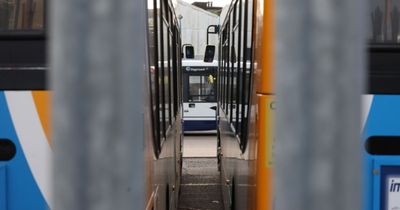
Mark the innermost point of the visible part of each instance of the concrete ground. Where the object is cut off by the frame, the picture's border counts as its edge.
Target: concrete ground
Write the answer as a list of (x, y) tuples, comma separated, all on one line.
[(200, 186), (204, 145)]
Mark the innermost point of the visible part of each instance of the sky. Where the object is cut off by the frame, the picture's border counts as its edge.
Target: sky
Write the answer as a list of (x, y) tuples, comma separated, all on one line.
[(216, 3)]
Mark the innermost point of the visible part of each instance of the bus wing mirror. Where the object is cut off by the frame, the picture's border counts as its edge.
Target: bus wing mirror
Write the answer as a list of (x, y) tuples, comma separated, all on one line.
[(189, 51), (209, 54)]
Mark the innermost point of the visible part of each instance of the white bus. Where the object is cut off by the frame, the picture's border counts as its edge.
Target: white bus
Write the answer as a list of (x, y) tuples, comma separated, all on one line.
[(199, 95)]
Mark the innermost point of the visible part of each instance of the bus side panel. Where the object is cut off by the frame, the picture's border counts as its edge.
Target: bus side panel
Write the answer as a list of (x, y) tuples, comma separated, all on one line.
[(166, 178), (27, 174), (264, 152), (199, 116), (237, 168), (230, 151), (382, 115)]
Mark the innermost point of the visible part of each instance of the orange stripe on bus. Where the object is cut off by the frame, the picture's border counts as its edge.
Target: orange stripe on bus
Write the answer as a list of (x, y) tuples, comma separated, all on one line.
[(268, 49), (42, 102)]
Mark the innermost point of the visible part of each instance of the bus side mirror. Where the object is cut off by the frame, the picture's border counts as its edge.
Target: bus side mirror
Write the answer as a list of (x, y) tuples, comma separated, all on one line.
[(189, 51), (209, 54)]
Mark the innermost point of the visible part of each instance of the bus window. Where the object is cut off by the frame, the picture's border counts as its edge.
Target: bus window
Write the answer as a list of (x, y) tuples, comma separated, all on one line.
[(208, 89), (384, 18), (22, 15), (194, 88), (189, 52)]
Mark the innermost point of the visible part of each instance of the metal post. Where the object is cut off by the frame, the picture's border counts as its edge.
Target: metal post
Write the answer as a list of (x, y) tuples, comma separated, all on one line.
[(320, 73), (98, 60), (208, 32)]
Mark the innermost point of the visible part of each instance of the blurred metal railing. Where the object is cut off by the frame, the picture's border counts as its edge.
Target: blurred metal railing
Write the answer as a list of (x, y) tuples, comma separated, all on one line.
[(320, 78), (98, 59)]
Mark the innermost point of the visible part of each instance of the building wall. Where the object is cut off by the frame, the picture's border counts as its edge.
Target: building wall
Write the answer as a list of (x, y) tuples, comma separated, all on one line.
[(194, 27)]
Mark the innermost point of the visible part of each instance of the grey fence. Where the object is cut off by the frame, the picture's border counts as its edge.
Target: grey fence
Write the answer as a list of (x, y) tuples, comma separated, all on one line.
[(320, 77), (98, 59)]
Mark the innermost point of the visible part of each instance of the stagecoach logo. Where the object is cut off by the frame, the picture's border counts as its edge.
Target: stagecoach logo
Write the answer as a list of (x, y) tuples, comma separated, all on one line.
[(394, 186), (195, 69), (393, 199)]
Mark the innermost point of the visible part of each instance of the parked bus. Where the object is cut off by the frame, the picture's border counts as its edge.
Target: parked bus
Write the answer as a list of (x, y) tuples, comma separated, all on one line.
[(199, 95), (381, 129), (26, 146)]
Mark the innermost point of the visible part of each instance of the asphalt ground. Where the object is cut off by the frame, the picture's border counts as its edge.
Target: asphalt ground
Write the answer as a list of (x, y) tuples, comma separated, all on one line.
[(200, 185)]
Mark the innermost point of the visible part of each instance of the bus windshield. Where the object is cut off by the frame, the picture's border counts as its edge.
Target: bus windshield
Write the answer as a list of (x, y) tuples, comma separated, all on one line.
[(202, 88)]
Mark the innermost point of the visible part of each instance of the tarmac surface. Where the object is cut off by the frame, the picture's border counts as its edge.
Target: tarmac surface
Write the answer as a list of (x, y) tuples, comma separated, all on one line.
[(200, 186)]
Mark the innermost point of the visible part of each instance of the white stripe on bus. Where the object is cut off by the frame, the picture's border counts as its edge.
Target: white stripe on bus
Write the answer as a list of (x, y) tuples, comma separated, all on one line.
[(32, 139)]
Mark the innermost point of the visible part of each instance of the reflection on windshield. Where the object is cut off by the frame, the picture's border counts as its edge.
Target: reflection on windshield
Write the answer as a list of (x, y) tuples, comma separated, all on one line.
[(21, 14), (202, 88), (385, 21)]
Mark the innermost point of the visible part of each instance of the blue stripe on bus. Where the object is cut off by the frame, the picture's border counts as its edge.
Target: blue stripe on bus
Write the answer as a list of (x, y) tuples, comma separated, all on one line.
[(21, 188), (199, 125), (3, 184)]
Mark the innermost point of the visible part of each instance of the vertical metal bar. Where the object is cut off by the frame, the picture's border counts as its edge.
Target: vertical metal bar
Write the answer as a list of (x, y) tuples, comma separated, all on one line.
[(98, 60), (320, 74), (162, 70)]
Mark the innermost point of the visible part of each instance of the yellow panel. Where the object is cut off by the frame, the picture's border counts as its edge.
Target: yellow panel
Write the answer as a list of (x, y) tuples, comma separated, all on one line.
[(42, 102), (265, 161)]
